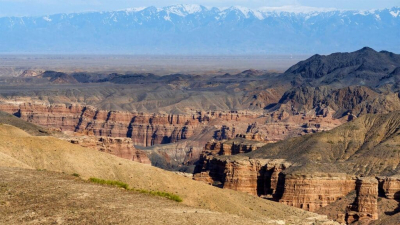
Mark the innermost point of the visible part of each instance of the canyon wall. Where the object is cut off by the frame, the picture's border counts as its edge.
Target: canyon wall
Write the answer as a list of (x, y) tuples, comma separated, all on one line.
[(365, 206), (257, 177), (314, 191), (143, 129), (232, 147), (266, 178), (121, 147), (147, 130), (390, 186)]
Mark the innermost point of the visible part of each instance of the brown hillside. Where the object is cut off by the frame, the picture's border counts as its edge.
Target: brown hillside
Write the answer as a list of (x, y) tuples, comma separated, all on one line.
[(370, 145), (20, 149), (54, 198)]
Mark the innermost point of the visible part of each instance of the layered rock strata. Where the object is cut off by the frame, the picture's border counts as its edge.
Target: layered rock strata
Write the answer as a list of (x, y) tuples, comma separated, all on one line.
[(365, 207), (143, 129), (390, 186), (232, 147), (121, 147), (256, 177), (265, 178), (314, 191)]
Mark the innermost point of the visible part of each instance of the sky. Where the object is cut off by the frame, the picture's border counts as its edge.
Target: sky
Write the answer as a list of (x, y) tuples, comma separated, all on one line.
[(47, 7)]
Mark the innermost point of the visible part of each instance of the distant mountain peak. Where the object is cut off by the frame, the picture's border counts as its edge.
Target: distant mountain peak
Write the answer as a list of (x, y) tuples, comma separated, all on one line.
[(184, 9), (295, 9), (196, 29)]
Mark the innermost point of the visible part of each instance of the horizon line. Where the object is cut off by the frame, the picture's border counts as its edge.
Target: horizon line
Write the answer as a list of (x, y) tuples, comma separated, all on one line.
[(296, 9)]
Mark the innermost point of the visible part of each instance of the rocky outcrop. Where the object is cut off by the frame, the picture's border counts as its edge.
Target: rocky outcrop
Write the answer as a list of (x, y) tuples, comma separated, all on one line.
[(314, 191), (186, 134), (232, 147), (143, 129), (31, 73), (121, 147), (264, 177), (366, 146), (244, 175), (365, 207), (251, 136), (390, 186), (256, 177)]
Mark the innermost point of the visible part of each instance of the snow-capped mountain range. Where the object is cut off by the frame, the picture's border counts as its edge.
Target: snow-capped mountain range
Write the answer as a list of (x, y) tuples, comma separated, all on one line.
[(195, 29)]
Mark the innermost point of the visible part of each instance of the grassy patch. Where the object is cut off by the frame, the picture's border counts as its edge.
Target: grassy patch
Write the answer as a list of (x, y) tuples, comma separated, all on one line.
[(126, 187), (76, 175), (109, 182), (161, 194)]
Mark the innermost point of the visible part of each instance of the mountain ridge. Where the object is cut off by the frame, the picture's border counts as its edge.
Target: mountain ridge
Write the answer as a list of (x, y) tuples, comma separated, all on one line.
[(200, 30)]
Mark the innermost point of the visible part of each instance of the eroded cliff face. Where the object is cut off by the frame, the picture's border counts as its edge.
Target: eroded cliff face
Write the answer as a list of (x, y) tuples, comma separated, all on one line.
[(253, 176), (365, 207), (390, 186), (121, 147), (241, 144), (267, 178), (143, 129), (192, 130), (244, 175), (314, 191)]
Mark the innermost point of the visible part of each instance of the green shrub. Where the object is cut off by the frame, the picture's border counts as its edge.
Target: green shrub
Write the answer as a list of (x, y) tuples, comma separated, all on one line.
[(161, 194), (109, 182), (76, 175), (125, 186)]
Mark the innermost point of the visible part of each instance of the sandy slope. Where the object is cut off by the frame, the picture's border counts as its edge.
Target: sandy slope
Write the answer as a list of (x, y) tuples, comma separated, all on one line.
[(19, 149), (55, 198)]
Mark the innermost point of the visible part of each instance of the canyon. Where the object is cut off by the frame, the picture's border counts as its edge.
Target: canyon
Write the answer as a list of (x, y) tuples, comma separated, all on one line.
[(121, 131), (293, 172), (322, 136)]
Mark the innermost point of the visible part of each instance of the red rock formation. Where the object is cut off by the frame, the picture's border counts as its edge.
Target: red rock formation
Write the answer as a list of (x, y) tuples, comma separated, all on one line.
[(311, 192), (121, 147), (231, 147), (390, 186), (143, 129), (365, 207), (251, 136), (253, 176), (151, 129), (273, 178), (244, 175)]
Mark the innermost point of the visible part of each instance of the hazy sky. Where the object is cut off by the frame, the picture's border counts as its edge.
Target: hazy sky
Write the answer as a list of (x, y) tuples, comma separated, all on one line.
[(43, 7)]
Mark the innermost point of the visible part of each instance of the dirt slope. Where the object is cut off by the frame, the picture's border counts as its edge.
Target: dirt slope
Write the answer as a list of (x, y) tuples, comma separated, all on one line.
[(20, 149), (54, 198), (30, 128)]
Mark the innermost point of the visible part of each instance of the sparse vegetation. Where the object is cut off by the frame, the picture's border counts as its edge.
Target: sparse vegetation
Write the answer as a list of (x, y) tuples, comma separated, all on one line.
[(161, 194), (126, 187), (76, 175), (353, 127), (109, 182)]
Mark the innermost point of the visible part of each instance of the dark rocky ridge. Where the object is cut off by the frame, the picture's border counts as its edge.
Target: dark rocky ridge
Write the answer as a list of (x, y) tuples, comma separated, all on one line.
[(362, 67)]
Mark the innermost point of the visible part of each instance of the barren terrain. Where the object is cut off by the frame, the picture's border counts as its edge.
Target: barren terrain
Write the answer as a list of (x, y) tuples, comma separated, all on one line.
[(21, 150)]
